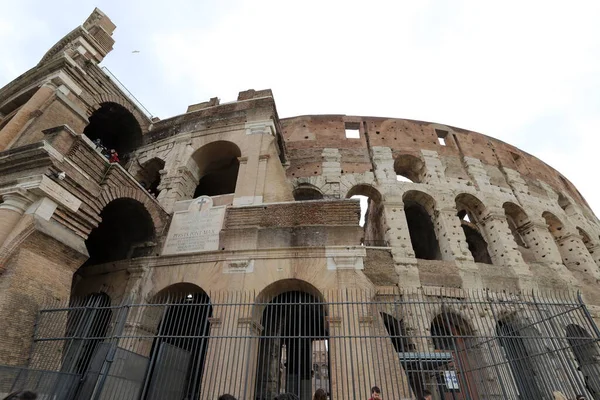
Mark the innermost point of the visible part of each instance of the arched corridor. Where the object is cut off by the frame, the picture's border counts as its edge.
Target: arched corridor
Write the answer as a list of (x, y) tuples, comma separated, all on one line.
[(419, 209), (216, 165)]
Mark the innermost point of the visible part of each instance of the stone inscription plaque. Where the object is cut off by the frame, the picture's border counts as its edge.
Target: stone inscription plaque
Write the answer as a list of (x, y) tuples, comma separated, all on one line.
[(196, 229)]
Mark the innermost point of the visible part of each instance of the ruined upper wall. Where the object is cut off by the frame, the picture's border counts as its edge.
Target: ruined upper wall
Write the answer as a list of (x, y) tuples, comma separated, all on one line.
[(307, 136)]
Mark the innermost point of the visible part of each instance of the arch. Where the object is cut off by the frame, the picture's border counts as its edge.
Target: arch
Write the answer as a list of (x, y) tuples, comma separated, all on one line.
[(587, 241), (520, 225), (124, 224), (586, 352), (521, 355), (294, 325), (216, 166), (305, 191), (471, 211), (87, 322), (410, 167), (116, 128), (555, 226), (180, 322), (419, 208), (563, 201), (451, 333), (372, 217), (149, 175)]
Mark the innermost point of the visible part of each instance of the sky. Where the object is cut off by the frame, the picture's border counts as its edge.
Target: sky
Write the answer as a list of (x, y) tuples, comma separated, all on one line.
[(526, 72)]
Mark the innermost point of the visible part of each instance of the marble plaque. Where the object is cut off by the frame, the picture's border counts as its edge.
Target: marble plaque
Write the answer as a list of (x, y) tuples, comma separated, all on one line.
[(195, 229)]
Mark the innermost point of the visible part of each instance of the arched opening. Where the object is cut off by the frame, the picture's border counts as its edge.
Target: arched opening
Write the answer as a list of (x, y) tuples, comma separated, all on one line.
[(587, 355), (520, 351), (563, 202), (293, 342), (458, 362), (116, 128), (587, 241), (216, 166), (125, 224), (409, 168), (149, 175), (555, 226), (87, 325), (470, 211), (307, 192), (371, 218), (419, 208), (520, 227), (178, 353), (399, 337)]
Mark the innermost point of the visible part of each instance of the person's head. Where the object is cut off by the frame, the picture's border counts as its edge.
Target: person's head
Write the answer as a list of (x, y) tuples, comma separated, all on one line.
[(427, 395), (226, 397), (22, 395), (376, 392), (320, 394), (112, 151), (580, 397)]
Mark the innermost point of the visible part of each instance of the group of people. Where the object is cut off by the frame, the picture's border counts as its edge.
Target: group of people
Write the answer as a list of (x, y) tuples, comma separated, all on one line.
[(111, 154)]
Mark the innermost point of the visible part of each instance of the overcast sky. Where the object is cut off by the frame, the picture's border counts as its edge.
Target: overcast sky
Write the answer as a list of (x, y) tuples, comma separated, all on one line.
[(526, 72)]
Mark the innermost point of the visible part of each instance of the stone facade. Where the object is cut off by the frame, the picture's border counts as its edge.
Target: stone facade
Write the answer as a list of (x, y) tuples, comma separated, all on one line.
[(478, 214)]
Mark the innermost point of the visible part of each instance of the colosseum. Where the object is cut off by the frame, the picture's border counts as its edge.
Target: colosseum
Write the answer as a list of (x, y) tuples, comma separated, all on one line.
[(225, 250)]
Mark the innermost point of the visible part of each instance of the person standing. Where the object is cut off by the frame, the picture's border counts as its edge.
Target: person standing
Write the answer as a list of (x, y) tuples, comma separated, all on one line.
[(114, 156)]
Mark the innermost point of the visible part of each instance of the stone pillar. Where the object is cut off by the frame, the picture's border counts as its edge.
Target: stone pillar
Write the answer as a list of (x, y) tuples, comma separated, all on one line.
[(451, 237), (177, 187), (12, 129), (436, 171), (594, 250), (383, 161), (361, 353), (14, 203), (398, 237), (576, 256), (502, 247)]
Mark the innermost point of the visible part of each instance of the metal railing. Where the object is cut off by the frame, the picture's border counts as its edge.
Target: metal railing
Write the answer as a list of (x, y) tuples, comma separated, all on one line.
[(192, 345), (126, 92)]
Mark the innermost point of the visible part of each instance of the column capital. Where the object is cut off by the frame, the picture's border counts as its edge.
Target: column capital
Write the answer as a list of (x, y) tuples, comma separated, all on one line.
[(16, 199)]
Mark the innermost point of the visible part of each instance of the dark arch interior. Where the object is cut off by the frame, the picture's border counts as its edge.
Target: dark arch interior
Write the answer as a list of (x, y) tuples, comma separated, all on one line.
[(180, 344), (422, 233), (519, 358), (410, 167), (125, 223), (303, 193), (294, 326), (218, 168), (116, 128), (374, 229), (149, 175), (477, 244), (89, 318)]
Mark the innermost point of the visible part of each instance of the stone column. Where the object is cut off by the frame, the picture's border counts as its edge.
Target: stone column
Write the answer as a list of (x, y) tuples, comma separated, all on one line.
[(502, 247), (14, 203), (594, 250), (451, 237), (576, 256), (12, 129), (398, 237)]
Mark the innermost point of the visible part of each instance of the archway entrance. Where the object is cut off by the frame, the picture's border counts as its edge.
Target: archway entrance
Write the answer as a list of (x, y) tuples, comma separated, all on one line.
[(587, 354), (451, 334), (217, 168), (293, 343), (125, 224), (419, 210), (116, 128), (520, 356), (470, 211), (372, 215), (178, 351)]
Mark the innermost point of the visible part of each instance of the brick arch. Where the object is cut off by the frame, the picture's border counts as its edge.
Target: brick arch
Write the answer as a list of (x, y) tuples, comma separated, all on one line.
[(109, 194), (103, 98)]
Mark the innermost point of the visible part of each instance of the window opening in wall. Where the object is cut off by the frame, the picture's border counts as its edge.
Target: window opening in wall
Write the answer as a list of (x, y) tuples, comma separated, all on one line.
[(371, 214), (217, 165), (364, 205), (515, 156), (419, 211), (352, 130), (307, 192), (409, 168), (441, 135)]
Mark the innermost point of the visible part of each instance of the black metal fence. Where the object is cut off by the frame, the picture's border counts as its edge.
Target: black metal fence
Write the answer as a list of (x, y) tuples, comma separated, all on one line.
[(192, 345)]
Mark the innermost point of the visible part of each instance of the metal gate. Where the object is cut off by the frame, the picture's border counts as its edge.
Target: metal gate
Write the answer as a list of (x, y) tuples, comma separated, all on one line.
[(455, 344)]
